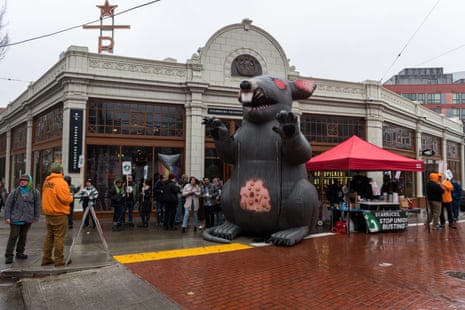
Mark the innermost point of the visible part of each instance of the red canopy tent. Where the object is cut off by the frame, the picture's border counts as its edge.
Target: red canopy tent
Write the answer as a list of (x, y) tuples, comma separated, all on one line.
[(357, 154)]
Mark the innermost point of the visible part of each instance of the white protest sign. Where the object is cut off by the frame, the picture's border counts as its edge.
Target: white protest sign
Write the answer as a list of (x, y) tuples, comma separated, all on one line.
[(146, 171), (126, 167)]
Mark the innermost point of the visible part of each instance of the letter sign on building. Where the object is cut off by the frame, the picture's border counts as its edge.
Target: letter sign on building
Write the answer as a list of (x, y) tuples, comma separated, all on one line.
[(106, 43)]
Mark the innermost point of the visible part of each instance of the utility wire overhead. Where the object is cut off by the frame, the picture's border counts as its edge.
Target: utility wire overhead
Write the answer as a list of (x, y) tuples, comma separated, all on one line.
[(443, 54), (78, 26), (409, 40), (15, 80)]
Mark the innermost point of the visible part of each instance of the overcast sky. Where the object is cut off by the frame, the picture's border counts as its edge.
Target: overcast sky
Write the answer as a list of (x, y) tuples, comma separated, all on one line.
[(349, 40)]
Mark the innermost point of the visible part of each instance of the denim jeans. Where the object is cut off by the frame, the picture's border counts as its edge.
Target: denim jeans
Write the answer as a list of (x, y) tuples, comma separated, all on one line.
[(177, 218), (185, 220), (160, 212)]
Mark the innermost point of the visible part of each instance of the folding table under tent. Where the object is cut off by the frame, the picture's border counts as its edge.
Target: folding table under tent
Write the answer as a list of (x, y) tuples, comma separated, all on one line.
[(356, 154)]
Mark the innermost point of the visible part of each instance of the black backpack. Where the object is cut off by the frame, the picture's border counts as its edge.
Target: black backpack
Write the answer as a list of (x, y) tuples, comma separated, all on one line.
[(158, 190)]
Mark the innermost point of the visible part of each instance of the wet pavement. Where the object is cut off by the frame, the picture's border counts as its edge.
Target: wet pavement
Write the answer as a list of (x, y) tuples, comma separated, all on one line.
[(157, 269)]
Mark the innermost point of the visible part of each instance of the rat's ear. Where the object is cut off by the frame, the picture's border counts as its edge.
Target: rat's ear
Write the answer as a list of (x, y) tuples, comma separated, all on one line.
[(302, 89)]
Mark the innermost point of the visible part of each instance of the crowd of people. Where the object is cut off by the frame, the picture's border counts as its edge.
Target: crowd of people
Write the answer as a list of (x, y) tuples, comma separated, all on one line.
[(444, 194), (174, 200)]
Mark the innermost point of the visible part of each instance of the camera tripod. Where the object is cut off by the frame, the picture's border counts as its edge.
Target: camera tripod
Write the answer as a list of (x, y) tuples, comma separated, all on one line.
[(90, 209)]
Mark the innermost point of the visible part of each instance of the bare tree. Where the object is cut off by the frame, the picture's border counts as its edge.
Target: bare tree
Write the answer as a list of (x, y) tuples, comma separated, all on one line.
[(3, 36)]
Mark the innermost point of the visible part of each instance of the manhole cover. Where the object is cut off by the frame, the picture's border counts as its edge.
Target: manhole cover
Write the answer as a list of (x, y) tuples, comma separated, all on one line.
[(456, 274)]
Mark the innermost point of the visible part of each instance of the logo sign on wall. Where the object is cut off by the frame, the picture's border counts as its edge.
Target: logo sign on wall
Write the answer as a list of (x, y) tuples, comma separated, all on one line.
[(75, 140), (126, 167)]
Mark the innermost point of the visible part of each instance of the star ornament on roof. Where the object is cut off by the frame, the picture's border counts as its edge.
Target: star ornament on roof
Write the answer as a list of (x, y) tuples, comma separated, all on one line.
[(106, 9)]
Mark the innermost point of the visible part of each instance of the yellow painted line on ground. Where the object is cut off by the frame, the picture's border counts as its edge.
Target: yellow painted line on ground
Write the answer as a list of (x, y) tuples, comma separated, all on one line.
[(150, 256)]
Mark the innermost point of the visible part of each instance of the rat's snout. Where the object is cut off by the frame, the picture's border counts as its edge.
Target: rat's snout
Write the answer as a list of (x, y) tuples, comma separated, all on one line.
[(246, 85), (246, 93)]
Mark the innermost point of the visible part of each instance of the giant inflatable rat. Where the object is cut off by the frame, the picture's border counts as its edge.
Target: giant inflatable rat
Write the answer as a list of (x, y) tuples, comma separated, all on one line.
[(268, 194)]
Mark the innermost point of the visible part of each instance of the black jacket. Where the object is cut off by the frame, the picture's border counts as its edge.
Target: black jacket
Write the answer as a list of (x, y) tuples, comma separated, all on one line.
[(170, 193)]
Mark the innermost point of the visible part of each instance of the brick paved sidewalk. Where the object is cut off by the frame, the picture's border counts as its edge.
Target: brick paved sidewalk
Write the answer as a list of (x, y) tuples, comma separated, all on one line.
[(402, 270)]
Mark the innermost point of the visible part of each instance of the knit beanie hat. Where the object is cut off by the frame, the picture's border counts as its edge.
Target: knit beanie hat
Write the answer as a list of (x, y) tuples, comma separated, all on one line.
[(56, 168)]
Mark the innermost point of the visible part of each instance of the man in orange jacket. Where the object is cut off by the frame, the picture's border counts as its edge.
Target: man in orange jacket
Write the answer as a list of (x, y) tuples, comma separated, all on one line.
[(447, 201), (56, 198)]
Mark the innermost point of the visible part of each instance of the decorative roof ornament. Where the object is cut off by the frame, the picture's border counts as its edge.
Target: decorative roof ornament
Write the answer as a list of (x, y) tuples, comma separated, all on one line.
[(106, 42)]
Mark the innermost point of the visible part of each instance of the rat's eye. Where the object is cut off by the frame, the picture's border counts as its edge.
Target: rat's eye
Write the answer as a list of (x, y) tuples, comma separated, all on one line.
[(280, 84)]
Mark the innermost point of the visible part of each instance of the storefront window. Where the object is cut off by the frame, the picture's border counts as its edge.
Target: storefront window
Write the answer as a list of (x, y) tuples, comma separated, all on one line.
[(49, 125), (397, 137), (42, 161), (331, 129), (213, 164), (104, 165), (19, 167), (453, 158), (135, 119)]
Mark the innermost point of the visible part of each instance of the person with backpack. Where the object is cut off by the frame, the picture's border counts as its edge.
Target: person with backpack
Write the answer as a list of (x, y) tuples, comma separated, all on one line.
[(22, 208), (170, 199), (456, 198)]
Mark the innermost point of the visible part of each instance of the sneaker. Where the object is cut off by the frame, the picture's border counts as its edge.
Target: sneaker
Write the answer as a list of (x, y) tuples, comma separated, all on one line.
[(21, 256), (9, 260), (439, 227), (115, 228)]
